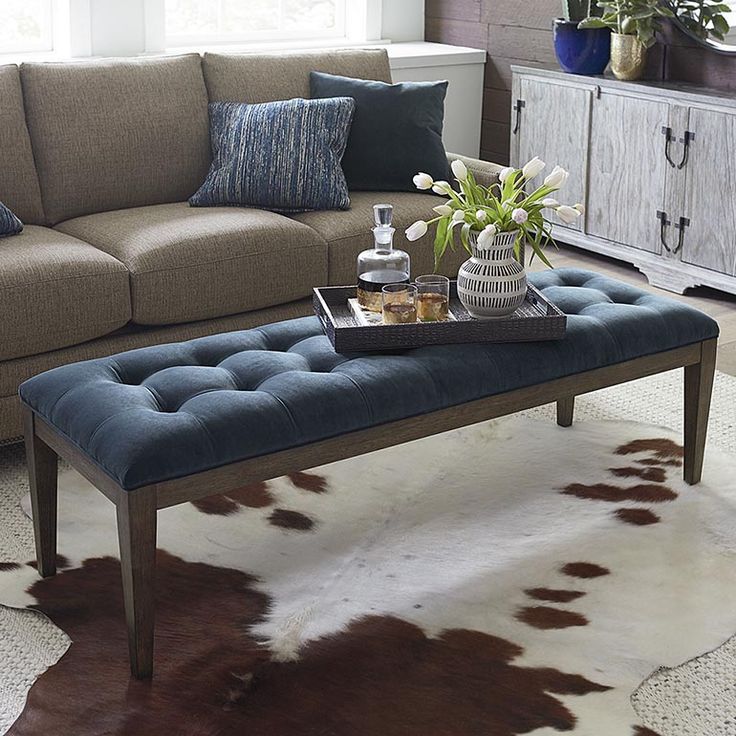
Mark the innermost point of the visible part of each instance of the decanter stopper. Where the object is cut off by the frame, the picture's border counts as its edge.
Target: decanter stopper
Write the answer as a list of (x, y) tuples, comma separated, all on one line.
[(383, 214)]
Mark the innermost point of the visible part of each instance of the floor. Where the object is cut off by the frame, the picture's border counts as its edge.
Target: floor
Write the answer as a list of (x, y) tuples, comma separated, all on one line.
[(720, 306)]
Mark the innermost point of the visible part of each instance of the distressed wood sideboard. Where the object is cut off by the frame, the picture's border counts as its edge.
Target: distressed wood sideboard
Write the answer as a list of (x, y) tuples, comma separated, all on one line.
[(654, 163)]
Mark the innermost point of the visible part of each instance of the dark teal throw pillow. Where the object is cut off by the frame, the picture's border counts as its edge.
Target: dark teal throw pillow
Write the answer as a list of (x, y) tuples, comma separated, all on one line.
[(396, 132), (9, 223), (281, 156)]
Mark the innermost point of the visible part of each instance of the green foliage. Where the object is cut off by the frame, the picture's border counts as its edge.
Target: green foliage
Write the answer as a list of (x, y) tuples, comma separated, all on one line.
[(577, 10), (703, 18), (640, 18)]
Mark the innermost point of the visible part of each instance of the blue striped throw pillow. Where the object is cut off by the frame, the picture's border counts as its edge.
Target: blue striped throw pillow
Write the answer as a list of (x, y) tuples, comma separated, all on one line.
[(9, 223), (281, 156)]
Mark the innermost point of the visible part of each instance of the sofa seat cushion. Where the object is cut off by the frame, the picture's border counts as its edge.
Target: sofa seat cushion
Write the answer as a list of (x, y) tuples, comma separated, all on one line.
[(190, 263), (169, 411), (348, 233), (57, 291)]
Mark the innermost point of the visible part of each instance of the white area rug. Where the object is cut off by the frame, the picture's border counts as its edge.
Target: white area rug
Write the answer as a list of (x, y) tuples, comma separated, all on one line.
[(449, 533), (697, 698)]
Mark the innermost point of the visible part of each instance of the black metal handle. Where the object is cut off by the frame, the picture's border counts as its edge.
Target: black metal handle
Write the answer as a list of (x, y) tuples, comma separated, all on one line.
[(663, 223), (668, 138), (689, 137), (518, 107), (684, 223)]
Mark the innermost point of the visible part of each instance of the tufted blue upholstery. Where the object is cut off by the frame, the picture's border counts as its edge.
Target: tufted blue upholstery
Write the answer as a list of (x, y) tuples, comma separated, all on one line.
[(172, 410)]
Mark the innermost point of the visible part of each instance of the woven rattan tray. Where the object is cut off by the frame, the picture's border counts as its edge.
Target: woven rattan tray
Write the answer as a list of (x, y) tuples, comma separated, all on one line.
[(536, 319)]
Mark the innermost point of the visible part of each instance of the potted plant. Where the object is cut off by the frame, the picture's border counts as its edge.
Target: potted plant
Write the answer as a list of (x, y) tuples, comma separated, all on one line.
[(494, 222), (581, 50), (634, 24)]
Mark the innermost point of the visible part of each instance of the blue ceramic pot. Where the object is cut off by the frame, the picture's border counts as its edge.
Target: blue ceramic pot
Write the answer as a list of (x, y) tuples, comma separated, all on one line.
[(581, 50)]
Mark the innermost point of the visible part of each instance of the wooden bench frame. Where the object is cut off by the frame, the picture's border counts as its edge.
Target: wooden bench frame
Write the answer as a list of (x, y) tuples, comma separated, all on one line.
[(136, 510)]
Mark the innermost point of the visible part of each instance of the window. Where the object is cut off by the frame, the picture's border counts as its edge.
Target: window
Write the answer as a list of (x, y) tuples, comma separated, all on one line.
[(25, 25), (190, 22)]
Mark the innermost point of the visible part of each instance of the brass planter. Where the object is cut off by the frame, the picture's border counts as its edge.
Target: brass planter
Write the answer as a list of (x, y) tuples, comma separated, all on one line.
[(628, 56)]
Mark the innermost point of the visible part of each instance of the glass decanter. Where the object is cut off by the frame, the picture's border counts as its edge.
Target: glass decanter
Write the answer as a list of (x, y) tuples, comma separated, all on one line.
[(382, 264)]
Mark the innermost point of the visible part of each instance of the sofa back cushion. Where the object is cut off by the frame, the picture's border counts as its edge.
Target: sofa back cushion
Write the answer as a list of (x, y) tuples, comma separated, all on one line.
[(267, 77), (18, 179), (113, 134)]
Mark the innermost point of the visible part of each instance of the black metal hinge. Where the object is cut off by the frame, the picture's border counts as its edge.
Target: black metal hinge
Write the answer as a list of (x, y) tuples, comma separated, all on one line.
[(519, 105), (684, 223), (664, 223)]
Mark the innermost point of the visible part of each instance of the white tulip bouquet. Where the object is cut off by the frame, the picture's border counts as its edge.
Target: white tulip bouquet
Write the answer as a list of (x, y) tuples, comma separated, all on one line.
[(500, 208)]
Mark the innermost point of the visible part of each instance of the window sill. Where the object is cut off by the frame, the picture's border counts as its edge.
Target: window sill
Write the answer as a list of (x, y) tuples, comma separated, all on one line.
[(20, 57), (275, 46), (405, 55)]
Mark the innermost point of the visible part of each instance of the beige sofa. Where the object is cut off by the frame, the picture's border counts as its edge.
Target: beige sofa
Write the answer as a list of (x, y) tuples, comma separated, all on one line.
[(98, 159)]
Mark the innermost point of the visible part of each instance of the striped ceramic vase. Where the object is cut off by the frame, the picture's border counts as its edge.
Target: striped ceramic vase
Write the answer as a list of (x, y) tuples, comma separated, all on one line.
[(492, 283)]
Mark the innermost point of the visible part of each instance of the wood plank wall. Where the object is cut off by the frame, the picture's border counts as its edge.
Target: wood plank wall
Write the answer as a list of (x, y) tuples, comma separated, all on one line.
[(516, 32), (687, 61)]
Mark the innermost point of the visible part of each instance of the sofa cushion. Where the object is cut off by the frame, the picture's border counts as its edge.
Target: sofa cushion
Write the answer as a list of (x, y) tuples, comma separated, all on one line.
[(396, 131), (267, 77), (115, 134), (348, 233), (249, 166), (56, 291), (191, 263), (9, 223), (19, 188)]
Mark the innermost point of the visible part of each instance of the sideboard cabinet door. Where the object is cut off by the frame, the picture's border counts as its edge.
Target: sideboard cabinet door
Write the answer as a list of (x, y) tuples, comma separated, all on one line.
[(710, 239), (553, 124), (628, 170)]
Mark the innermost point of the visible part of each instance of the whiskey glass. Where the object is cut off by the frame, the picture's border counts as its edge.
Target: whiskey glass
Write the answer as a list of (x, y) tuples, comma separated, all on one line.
[(433, 298), (399, 304)]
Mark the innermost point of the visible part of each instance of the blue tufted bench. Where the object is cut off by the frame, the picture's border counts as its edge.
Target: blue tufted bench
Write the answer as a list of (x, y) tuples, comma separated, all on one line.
[(163, 425)]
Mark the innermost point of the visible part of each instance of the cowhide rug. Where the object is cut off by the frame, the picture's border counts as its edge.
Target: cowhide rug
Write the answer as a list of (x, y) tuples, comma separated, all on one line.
[(504, 579)]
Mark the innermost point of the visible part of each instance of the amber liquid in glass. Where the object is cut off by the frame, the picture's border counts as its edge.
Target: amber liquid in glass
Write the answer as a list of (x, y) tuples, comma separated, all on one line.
[(371, 283), (432, 307), (399, 314)]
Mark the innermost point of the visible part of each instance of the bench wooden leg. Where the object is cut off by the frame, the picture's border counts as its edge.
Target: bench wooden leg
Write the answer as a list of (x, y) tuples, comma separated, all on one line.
[(565, 411), (42, 464), (698, 390), (136, 511)]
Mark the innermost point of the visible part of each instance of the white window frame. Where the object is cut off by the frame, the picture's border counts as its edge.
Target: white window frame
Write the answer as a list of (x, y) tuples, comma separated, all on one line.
[(46, 43), (344, 30), (73, 36), (364, 20)]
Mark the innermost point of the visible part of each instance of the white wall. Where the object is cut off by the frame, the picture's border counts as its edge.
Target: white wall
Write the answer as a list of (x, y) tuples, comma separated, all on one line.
[(117, 28)]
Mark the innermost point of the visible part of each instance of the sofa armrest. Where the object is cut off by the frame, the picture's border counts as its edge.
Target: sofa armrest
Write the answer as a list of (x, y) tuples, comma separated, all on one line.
[(485, 172)]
